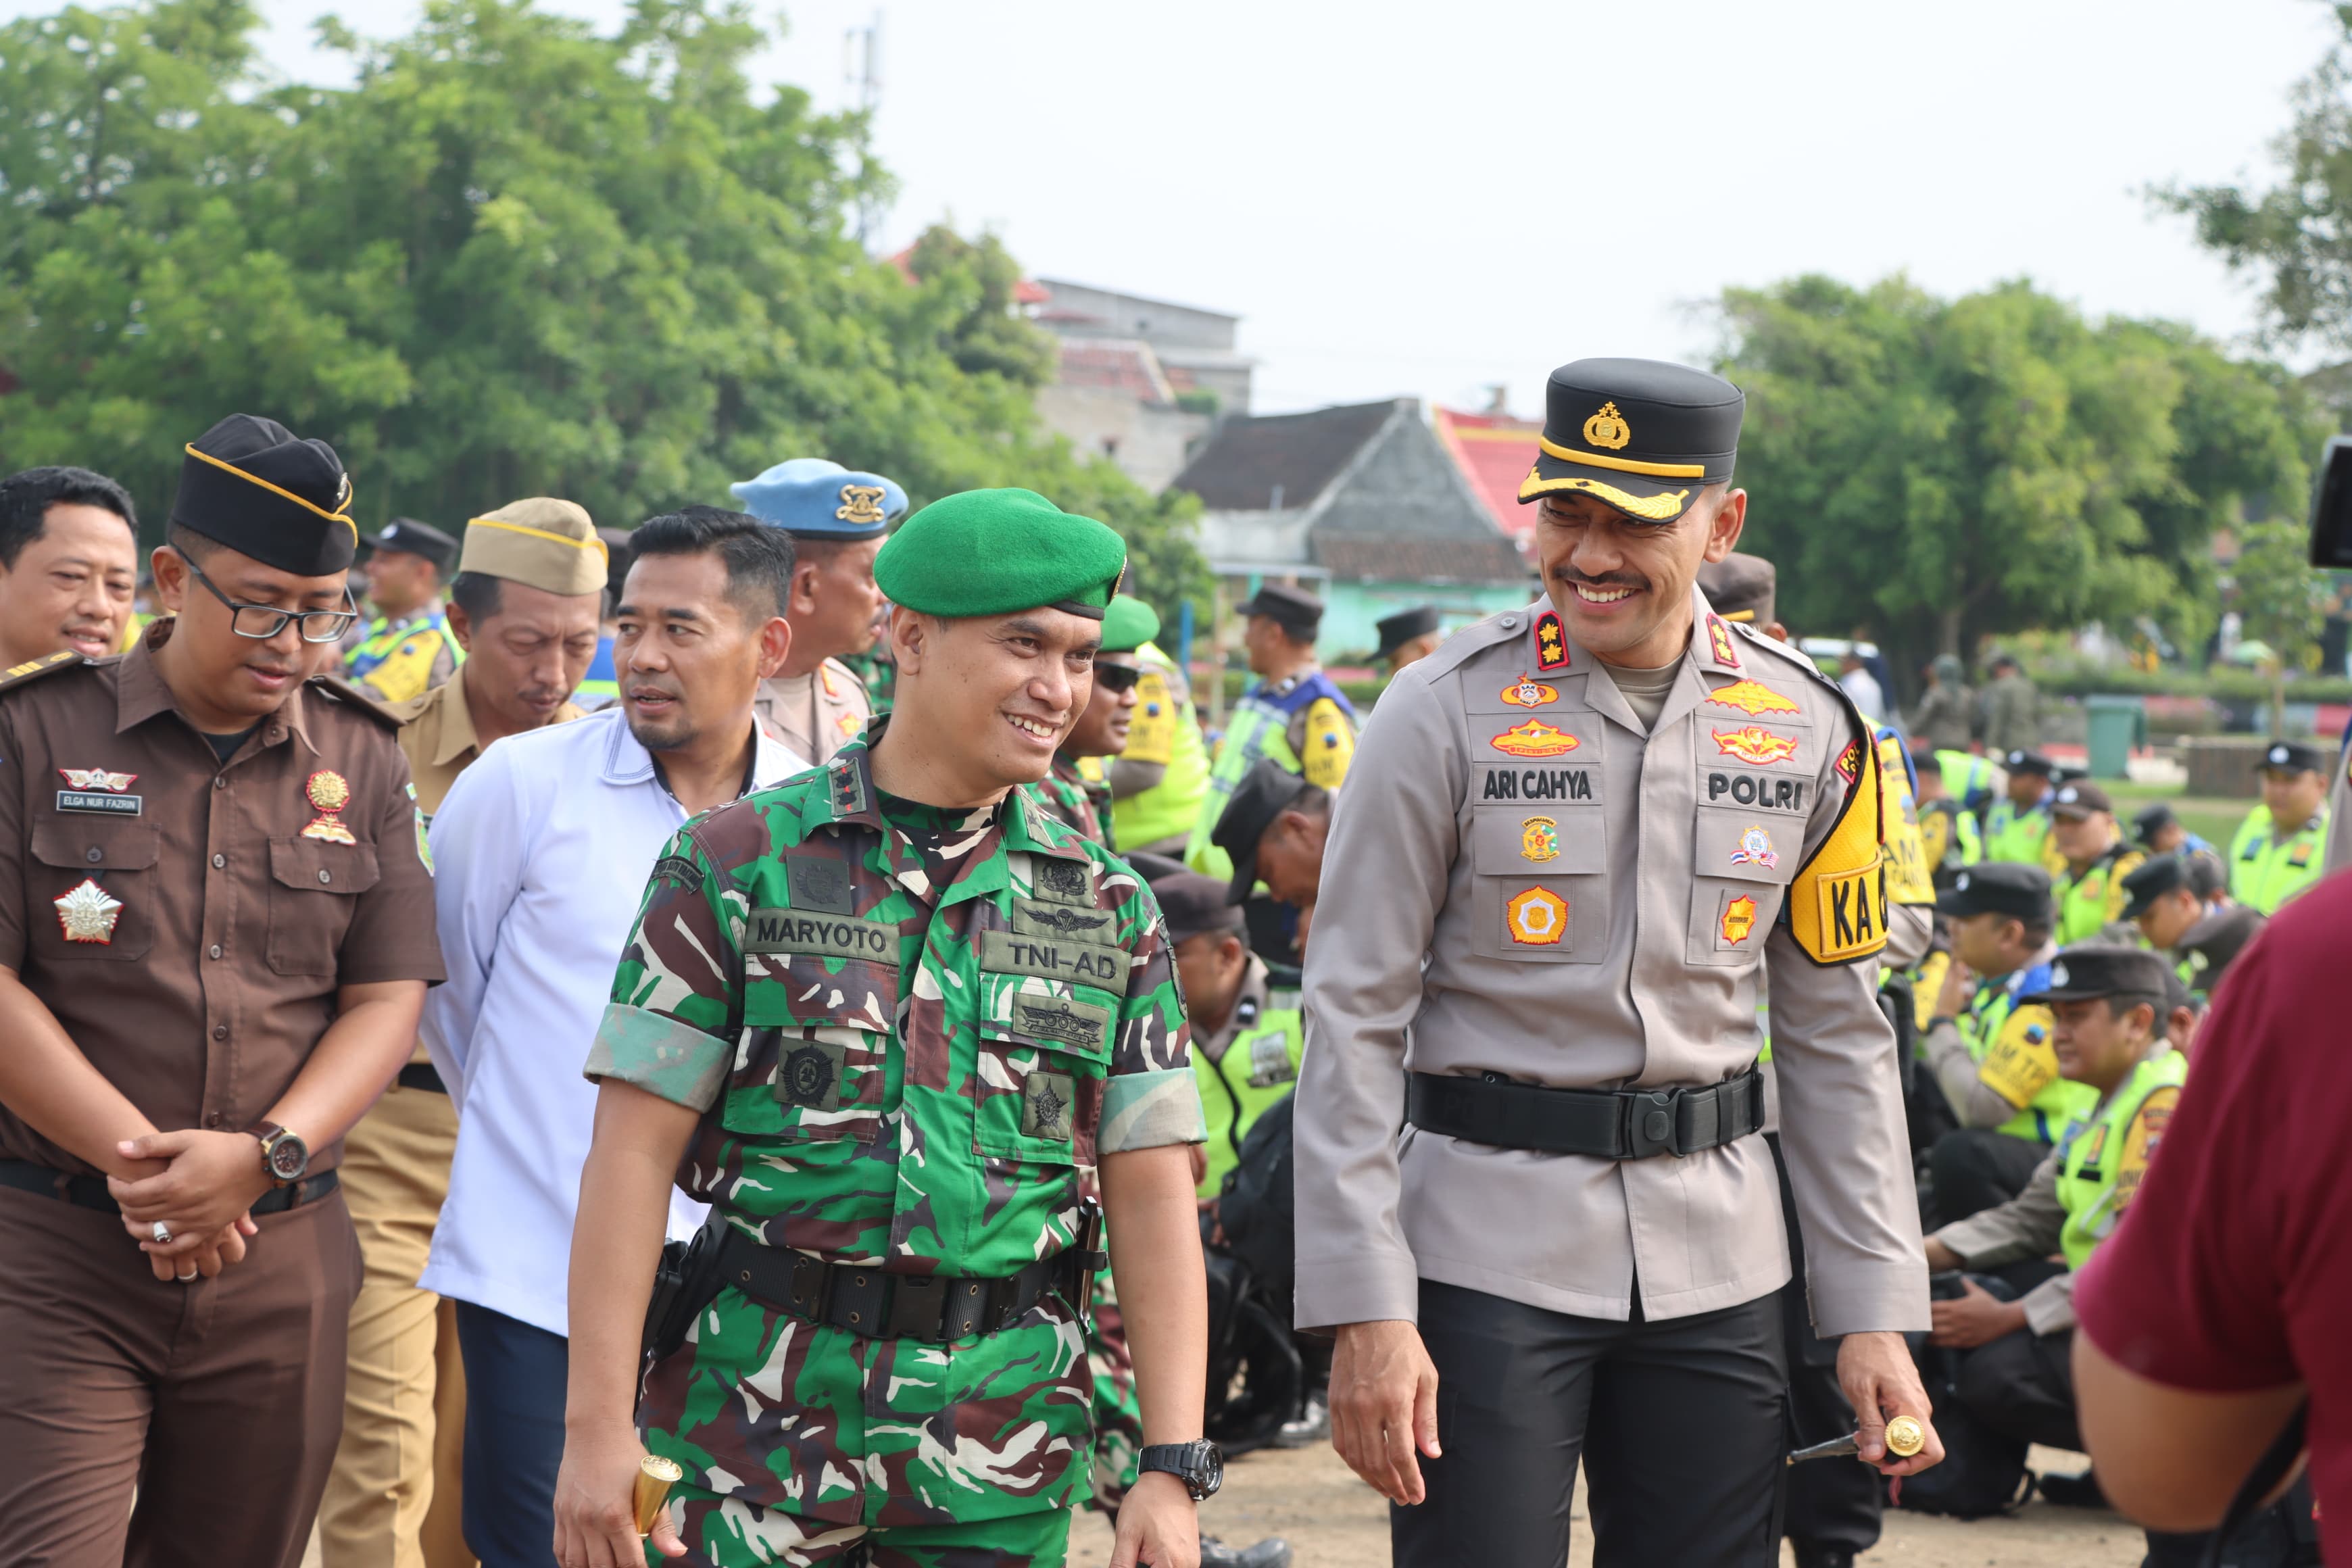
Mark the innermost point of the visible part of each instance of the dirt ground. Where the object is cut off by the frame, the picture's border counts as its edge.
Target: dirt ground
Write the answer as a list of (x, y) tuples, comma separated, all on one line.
[(1334, 1520)]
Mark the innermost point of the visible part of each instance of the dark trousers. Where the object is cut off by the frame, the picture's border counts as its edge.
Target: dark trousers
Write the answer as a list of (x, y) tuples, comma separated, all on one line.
[(515, 1376), (1830, 1502), (1975, 1169), (2021, 1385), (1680, 1425), (218, 1400)]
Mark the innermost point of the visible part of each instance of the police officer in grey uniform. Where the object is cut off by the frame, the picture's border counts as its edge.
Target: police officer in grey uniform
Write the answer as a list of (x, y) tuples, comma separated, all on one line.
[(1573, 842)]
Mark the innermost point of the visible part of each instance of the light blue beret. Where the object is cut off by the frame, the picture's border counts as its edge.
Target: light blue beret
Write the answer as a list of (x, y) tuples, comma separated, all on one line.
[(816, 498)]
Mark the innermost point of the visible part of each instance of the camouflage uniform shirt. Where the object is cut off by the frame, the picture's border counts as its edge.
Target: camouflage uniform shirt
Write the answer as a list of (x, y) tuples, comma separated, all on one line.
[(1074, 799), (906, 1030)]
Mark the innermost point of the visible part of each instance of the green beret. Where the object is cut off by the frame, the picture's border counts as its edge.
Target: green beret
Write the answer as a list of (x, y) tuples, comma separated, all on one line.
[(991, 552), (1129, 624)]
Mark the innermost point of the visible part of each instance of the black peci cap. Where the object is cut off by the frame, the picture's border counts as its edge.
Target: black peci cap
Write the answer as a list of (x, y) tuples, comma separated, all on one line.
[(410, 537), (2029, 763), (254, 486), (2100, 969), (1741, 588), (2161, 874), (2152, 821), (1998, 887), (1404, 627), (1295, 610), (1193, 904), (1257, 801), (2212, 943), (1644, 436), (2292, 756), (2080, 800)]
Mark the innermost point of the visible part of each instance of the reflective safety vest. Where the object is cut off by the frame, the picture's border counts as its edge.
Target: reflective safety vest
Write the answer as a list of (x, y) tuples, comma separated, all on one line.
[(1258, 1069), (2088, 903), (1164, 729), (2266, 871), (600, 687), (2016, 1060), (1910, 874), (401, 660), (2014, 834), (1260, 727), (2100, 1169), (1948, 837), (1967, 779)]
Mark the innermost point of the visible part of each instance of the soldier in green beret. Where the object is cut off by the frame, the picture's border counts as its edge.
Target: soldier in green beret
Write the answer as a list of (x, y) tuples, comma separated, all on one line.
[(881, 1017), (1077, 791)]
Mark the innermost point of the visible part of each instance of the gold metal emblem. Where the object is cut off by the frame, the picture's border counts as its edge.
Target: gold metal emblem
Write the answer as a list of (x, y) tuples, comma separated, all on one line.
[(861, 503), (98, 779), (1534, 739), (1539, 918), (1539, 838), (1608, 428), (87, 913), (329, 793), (656, 1475), (1904, 1437)]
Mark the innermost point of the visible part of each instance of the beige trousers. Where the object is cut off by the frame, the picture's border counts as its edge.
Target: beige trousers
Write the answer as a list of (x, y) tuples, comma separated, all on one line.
[(393, 1498)]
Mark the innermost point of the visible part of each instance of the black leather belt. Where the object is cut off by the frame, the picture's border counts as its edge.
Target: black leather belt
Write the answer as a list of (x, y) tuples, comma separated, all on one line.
[(935, 1308), (1608, 1124), (424, 1076), (89, 1192)]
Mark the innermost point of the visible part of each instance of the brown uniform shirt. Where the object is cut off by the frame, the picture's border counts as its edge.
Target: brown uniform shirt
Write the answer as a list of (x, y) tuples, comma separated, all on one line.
[(236, 925), (437, 736)]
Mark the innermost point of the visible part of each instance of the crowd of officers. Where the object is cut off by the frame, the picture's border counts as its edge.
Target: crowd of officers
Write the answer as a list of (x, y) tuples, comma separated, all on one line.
[(221, 930)]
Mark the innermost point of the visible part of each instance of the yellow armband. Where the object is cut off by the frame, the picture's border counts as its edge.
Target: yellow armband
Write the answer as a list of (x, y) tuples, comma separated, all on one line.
[(1330, 744), (1151, 733), (2022, 1062), (1837, 904)]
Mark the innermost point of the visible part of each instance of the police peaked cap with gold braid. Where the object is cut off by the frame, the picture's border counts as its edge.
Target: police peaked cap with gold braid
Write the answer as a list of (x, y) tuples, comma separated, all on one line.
[(253, 485), (1641, 434)]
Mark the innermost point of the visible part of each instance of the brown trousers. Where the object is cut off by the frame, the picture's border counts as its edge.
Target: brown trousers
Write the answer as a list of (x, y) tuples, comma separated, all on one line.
[(215, 1403)]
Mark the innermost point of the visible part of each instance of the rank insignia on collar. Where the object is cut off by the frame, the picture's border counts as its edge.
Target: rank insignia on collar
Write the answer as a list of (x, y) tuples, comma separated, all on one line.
[(1751, 698), (1739, 918), (1534, 739), (1718, 641), (1529, 692), (87, 913), (1551, 643), (1539, 838), (329, 793), (1754, 744)]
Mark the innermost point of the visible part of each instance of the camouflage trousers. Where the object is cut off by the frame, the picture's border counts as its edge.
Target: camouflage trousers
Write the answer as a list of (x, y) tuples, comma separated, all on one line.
[(1119, 1417), (722, 1533)]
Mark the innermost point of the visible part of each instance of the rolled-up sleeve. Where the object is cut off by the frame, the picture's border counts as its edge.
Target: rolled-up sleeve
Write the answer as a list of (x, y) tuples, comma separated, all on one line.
[(1151, 1099), (676, 1002)]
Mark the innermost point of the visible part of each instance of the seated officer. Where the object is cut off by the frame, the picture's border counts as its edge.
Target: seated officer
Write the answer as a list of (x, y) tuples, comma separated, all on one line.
[(2209, 945), (2278, 851), (2160, 832), (2110, 1007), (2016, 824), (1274, 827), (2089, 890), (1407, 636), (1989, 1048), (2170, 893), (1949, 834)]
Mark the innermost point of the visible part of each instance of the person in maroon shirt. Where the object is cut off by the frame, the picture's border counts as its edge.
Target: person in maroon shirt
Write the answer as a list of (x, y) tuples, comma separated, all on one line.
[(2228, 1298)]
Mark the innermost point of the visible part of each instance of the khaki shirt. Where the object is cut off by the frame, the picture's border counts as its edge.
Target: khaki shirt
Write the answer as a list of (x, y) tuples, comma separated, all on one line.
[(2028, 1226), (247, 891), (1519, 879), (437, 733), (815, 714)]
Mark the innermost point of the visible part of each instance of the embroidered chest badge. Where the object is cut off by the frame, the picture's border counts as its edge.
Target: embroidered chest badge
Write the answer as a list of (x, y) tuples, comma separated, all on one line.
[(1551, 643), (1534, 739), (1529, 692), (1754, 744), (87, 913), (1539, 918), (1539, 840), (1849, 763), (329, 794), (1752, 697), (1756, 849), (1739, 918)]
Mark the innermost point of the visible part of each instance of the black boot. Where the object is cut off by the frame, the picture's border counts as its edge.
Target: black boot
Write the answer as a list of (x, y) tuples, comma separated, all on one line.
[(1815, 1554), (1274, 1552)]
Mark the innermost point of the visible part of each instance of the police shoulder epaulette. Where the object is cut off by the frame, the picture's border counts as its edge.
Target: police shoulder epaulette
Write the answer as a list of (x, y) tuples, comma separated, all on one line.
[(32, 670), (338, 689), (1471, 640)]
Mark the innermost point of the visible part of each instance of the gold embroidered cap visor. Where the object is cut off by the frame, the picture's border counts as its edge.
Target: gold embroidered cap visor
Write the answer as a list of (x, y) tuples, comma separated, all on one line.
[(542, 543), (1642, 435), (253, 485)]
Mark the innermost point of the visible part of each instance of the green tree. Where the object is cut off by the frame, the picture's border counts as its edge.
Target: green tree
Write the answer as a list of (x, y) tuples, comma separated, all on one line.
[(2282, 600), (517, 257), (1932, 472)]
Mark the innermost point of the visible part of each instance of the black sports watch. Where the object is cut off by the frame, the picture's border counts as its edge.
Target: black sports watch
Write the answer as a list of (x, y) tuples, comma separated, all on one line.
[(283, 1155), (1200, 1466)]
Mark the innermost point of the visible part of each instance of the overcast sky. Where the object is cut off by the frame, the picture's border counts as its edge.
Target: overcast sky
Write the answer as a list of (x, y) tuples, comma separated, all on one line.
[(1432, 199)]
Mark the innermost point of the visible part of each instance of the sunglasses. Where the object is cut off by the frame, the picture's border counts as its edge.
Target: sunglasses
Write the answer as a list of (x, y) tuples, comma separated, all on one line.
[(1117, 676)]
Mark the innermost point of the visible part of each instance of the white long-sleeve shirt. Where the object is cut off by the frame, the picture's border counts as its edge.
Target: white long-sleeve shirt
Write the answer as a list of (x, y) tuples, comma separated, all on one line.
[(541, 852)]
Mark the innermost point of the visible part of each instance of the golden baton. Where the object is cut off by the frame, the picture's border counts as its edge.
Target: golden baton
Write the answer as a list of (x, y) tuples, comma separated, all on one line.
[(656, 1475), (1905, 1437)]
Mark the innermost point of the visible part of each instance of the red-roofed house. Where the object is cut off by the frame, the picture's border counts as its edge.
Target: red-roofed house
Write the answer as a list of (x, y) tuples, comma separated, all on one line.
[(1493, 452)]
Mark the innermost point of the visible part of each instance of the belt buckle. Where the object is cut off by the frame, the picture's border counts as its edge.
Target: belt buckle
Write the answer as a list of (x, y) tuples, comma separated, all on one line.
[(916, 1300), (1651, 1123)]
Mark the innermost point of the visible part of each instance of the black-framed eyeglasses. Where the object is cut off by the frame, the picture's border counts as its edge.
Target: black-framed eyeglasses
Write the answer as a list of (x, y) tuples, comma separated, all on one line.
[(262, 622), (1117, 676)]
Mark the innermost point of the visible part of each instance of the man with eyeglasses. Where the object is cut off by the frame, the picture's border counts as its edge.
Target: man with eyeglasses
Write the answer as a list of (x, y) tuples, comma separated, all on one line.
[(216, 936)]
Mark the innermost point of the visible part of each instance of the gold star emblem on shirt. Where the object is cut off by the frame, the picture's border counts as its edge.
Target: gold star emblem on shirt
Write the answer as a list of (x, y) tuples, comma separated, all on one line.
[(87, 913)]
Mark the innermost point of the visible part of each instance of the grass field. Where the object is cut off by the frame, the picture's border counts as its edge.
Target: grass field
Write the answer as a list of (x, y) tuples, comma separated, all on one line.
[(2214, 820)]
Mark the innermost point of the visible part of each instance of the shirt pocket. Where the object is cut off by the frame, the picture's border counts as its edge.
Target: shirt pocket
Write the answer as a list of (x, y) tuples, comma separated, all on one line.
[(1742, 863), (314, 891), (815, 1063), (116, 861), (1042, 1053), (1540, 893)]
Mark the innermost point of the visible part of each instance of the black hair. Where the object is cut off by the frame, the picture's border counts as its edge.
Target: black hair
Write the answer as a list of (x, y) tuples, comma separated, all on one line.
[(197, 547), (1312, 800), (758, 557), (26, 499), (476, 593), (2037, 930), (2121, 1002)]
